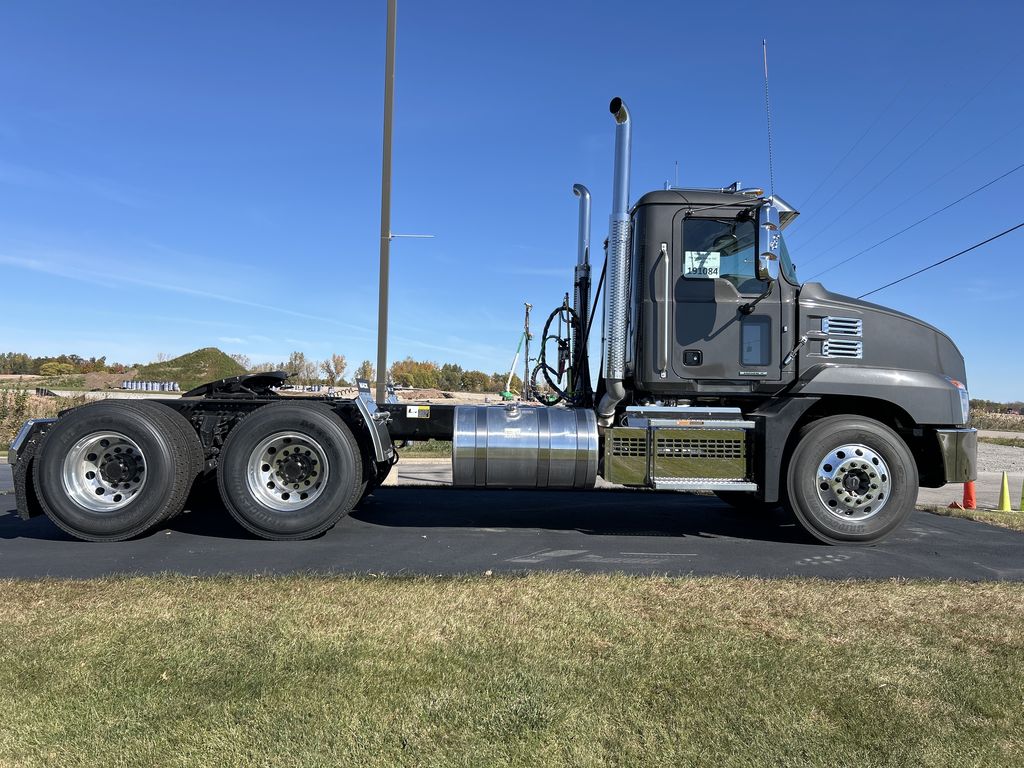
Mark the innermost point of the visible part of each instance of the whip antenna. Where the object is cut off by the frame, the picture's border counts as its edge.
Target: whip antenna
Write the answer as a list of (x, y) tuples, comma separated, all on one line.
[(768, 115)]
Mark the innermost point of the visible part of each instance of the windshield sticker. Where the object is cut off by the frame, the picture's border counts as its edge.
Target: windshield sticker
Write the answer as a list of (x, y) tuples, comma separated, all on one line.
[(705, 264)]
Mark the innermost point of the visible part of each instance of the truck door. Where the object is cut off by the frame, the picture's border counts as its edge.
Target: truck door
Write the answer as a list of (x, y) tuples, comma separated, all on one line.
[(714, 269)]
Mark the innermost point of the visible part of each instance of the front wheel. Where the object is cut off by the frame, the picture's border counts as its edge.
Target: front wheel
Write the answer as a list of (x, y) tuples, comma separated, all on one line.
[(851, 480)]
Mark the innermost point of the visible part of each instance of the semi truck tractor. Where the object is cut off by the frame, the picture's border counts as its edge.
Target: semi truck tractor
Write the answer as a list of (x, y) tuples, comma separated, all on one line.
[(719, 372)]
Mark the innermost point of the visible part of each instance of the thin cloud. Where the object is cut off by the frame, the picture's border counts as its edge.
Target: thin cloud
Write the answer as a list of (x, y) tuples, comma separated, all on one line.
[(71, 273), (97, 186)]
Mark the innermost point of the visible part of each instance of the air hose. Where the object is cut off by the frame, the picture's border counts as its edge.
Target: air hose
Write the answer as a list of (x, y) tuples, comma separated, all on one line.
[(562, 376)]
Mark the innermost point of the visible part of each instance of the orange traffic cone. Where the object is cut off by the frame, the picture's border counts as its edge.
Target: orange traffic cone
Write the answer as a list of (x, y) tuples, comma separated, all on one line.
[(970, 502)]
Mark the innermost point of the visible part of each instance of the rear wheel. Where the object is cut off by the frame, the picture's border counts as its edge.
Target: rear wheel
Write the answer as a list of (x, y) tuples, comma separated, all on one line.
[(110, 470), (851, 480), (290, 471), (191, 455)]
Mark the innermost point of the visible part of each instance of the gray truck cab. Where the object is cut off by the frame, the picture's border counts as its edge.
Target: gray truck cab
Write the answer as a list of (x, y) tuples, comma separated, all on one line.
[(739, 379), (706, 323)]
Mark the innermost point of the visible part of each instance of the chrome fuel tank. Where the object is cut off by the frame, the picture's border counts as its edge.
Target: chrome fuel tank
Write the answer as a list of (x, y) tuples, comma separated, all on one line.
[(524, 446)]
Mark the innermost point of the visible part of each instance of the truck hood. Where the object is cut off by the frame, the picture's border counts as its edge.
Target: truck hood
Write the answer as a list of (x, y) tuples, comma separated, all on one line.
[(892, 338)]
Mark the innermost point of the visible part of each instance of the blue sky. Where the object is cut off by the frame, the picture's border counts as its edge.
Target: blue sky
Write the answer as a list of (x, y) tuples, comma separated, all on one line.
[(177, 175)]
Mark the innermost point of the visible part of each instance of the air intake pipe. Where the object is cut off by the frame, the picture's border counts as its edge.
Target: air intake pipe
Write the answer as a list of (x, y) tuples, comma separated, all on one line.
[(616, 308)]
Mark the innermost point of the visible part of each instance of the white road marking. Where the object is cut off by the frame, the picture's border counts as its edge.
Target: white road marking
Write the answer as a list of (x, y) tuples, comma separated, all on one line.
[(823, 560), (662, 554), (618, 560), (546, 554)]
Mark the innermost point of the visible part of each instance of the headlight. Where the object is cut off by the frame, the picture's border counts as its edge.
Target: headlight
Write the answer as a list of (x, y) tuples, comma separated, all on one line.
[(965, 400)]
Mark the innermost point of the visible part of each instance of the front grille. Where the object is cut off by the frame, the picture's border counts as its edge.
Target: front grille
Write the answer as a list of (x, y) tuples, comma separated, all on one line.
[(847, 348)]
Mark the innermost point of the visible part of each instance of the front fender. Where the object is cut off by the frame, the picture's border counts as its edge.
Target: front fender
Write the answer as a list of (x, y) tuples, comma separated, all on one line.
[(927, 397)]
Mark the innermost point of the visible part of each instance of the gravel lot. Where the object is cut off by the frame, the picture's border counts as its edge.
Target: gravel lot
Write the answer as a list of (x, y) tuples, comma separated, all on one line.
[(1000, 458)]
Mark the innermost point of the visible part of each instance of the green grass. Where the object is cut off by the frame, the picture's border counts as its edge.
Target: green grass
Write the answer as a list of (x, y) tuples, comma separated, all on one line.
[(429, 449), (1011, 520), (1013, 442), (546, 670), (192, 369)]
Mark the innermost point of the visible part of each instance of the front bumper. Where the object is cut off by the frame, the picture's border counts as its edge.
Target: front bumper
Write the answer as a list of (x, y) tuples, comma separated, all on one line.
[(959, 450)]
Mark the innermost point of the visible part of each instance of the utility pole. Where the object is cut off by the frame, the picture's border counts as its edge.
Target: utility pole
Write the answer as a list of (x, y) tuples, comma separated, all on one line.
[(385, 206)]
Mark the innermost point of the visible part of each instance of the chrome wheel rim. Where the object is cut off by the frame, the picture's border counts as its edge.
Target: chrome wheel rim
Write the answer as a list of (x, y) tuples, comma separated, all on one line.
[(853, 482), (287, 471), (104, 472)]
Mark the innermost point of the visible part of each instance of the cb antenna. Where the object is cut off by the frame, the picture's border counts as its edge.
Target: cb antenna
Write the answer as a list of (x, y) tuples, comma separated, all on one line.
[(768, 116)]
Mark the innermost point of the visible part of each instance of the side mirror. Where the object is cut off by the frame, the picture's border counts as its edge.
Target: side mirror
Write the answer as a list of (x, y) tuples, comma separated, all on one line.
[(771, 243)]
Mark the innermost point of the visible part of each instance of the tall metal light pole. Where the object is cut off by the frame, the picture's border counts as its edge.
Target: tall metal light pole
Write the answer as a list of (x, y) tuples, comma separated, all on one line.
[(385, 205)]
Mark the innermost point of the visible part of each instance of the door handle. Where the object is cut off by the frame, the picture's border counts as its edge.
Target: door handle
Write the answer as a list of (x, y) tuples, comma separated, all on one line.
[(666, 285)]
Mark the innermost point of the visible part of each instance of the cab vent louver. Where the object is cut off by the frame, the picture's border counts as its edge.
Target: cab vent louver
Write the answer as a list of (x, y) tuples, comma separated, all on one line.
[(842, 348), (843, 326)]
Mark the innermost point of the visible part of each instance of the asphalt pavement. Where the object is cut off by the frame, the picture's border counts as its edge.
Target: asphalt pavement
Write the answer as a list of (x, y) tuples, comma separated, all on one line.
[(441, 530)]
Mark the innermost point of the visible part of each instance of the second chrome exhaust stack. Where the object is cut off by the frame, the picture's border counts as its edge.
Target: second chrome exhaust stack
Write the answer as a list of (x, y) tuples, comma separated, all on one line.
[(616, 307)]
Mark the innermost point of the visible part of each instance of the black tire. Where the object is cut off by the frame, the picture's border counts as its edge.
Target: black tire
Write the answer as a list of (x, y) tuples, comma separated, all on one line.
[(167, 477), (746, 501), (191, 455), (887, 497), (331, 500)]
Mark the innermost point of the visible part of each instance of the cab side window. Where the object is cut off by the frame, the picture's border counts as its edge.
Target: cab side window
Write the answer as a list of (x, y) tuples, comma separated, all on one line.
[(721, 249)]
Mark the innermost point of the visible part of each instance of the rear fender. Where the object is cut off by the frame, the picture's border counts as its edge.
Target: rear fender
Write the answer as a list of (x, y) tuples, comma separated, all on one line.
[(22, 455)]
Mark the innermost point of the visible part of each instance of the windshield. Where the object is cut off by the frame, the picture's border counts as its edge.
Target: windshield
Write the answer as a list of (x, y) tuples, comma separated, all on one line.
[(788, 267)]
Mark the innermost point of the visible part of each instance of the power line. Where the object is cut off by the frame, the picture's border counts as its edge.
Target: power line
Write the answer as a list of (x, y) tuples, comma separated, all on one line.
[(913, 152), (876, 121), (885, 178), (916, 223), (916, 194), (943, 261), (874, 157)]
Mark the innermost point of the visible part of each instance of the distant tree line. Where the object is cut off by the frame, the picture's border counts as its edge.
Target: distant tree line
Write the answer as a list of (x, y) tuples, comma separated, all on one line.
[(425, 374), (19, 363), (991, 406), (419, 374)]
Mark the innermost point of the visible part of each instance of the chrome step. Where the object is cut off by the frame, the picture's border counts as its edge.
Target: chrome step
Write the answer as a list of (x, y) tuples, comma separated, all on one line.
[(701, 484)]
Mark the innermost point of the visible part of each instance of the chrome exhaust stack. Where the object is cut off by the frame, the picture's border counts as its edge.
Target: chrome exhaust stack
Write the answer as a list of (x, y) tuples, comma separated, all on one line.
[(616, 308)]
